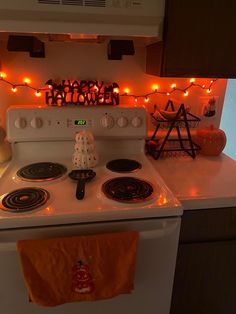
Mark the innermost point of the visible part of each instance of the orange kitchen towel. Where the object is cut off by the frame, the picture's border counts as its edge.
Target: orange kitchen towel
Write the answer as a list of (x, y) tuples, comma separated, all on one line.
[(79, 268)]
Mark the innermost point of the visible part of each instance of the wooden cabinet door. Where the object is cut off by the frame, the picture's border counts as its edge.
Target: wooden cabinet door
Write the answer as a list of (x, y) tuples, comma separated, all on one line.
[(198, 41), (205, 279)]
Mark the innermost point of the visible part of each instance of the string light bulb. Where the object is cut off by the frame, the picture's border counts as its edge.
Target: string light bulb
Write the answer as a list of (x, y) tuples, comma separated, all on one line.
[(3, 75), (186, 93), (168, 94), (126, 90), (155, 87), (38, 93), (116, 90), (14, 89), (192, 80), (27, 80), (173, 85), (146, 99), (208, 91), (136, 99)]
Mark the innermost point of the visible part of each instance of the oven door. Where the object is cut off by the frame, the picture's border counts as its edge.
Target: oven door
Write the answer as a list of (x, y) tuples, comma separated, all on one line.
[(155, 267)]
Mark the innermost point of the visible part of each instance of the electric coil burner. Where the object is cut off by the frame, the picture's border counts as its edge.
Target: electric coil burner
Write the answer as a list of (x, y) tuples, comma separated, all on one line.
[(41, 171), (123, 165), (128, 190), (25, 199)]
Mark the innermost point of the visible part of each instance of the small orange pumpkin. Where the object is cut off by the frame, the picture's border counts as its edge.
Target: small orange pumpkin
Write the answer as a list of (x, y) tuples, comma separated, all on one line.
[(212, 141)]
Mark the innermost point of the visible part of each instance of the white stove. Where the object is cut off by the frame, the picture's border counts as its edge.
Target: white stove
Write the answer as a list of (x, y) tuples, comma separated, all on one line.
[(47, 134)]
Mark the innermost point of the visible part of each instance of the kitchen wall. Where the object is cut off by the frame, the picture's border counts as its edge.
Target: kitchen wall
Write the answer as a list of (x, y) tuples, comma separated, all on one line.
[(229, 118), (89, 61)]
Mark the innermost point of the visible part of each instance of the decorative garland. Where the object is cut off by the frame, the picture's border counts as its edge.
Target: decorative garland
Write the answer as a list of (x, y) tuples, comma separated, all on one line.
[(26, 83), (94, 92), (171, 91)]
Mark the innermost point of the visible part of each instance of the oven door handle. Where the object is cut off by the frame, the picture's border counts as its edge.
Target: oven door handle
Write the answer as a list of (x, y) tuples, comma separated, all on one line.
[(163, 230)]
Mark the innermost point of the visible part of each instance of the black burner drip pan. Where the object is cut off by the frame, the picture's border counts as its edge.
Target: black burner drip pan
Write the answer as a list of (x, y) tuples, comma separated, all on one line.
[(128, 190), (123, 165), (25, 199), (41, 171)]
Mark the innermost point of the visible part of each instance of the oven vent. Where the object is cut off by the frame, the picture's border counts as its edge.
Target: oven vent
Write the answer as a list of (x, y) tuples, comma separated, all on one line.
[(49, 1), (81, 3), (72, 2)]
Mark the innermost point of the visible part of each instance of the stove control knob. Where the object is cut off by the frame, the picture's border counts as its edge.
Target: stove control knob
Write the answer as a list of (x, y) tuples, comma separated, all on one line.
[(136, 122), (36, 123), (20, 123), (107, 122), (122, 122)]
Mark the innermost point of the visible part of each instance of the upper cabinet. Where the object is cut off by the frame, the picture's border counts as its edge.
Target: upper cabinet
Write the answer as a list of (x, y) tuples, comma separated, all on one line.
[(198, 40)]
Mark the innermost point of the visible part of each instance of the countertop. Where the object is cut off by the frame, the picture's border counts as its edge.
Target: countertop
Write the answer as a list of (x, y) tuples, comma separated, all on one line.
[(203, 182)]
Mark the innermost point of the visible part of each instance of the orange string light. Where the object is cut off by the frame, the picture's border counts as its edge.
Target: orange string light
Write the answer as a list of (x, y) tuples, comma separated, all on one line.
[(155, 87), (186, 93), (174, 89), (3, 75), (27, 80), (38, 93), (145, 97), (26, 84)]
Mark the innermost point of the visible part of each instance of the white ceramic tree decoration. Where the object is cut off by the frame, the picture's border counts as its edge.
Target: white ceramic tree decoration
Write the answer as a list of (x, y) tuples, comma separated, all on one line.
[(85, 155)]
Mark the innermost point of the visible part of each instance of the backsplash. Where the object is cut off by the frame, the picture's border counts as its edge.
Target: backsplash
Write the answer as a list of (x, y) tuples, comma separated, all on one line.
[(89, 61)]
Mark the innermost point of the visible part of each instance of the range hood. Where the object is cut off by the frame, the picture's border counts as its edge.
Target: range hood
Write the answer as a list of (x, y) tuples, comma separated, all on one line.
[(141, 18)]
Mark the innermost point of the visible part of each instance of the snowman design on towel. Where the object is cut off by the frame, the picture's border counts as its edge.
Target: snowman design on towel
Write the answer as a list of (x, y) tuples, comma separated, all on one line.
[(82, 278)]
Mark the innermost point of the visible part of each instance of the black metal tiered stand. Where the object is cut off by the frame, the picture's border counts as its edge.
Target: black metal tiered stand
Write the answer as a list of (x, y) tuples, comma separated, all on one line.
[(181, 144)]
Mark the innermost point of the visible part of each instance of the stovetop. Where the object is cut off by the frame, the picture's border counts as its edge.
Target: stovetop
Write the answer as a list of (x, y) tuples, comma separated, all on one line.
[(63, 207)]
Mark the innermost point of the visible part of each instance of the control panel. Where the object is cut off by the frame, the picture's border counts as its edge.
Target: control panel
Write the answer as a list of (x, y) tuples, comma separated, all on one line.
[(62, 123)]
